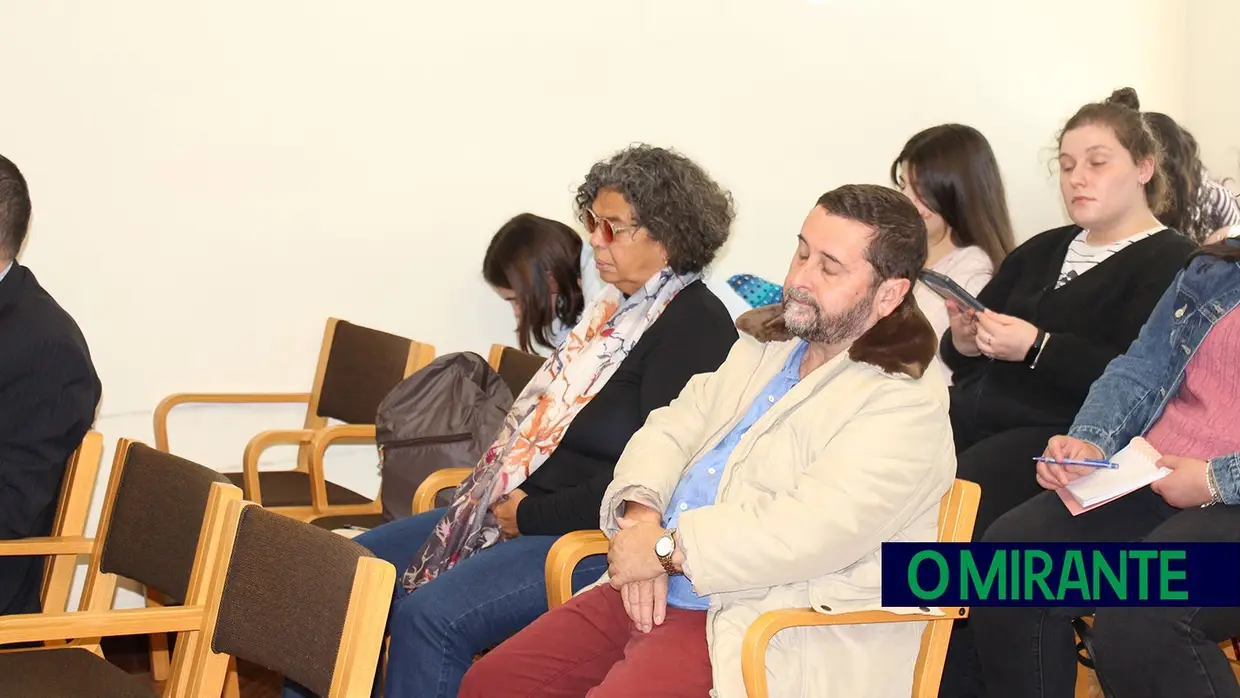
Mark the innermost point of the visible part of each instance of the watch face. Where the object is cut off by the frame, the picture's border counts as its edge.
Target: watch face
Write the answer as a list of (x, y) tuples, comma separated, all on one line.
[(664, 546)]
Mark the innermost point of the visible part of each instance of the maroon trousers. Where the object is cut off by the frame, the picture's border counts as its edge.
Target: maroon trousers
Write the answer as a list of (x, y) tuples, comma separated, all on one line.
[(590, 647)]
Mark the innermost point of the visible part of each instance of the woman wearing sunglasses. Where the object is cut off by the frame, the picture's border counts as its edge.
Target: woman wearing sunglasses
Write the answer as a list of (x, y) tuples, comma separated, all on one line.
[(472, 574)]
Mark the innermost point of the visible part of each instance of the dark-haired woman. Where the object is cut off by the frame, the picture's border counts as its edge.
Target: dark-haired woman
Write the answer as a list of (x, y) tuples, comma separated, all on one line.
[(1061, 307), (1176, 387), (544, 270), (949, 172), (1197, 205)]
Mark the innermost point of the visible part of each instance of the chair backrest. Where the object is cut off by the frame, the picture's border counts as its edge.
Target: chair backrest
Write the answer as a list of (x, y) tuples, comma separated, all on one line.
[(300, 600), (516, 367), (71, 513), (957, 514), (153, 517), (358, 366)]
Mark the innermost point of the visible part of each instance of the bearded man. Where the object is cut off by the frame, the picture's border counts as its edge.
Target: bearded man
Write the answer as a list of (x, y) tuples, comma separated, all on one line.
[(770, 483)]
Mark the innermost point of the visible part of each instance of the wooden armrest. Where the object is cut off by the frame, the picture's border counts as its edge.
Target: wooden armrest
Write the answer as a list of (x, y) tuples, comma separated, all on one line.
[(264, 440), (259, 443), (564, 556), (346, 433), (436, 482), (165, 406), (41, 627), (321, 440), (760, 632), (51, 545)]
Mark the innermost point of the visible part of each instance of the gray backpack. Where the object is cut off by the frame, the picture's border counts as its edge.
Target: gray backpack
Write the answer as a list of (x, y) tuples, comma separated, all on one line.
[(444, 416)]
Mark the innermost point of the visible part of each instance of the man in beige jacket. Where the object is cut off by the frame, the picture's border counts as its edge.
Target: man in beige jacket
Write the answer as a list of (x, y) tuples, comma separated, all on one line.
[(771, 483)]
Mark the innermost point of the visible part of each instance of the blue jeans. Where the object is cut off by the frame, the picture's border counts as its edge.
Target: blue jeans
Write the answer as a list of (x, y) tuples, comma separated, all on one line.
[(484, 600)]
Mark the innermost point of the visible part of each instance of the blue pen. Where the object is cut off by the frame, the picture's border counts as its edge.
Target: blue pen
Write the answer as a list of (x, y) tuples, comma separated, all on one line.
[(1089, 462)]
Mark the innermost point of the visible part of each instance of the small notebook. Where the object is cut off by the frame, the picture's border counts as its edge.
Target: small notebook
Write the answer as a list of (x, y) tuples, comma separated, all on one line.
[(1138, 467)]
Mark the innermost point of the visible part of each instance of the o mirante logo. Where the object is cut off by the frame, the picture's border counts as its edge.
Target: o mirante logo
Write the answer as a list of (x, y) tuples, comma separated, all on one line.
[(1060, 574)]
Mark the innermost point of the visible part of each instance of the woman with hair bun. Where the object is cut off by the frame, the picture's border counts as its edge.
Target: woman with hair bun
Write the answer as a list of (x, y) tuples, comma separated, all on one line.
[(1060, 308), (1063, 304)]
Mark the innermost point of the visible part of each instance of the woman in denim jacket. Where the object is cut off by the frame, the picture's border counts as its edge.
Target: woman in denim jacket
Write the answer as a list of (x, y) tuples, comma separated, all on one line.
[(1177, 387)]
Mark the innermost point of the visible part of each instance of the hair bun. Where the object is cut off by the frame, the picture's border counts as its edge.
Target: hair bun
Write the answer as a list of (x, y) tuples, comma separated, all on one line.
[(1125, 97)]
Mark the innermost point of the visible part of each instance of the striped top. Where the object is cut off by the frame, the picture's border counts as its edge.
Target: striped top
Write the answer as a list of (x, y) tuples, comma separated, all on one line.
[(1216, 208), (1083, 256)]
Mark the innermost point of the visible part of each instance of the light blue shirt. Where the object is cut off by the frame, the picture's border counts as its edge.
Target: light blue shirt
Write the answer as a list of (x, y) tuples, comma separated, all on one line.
[(5, 272), (699, 486)]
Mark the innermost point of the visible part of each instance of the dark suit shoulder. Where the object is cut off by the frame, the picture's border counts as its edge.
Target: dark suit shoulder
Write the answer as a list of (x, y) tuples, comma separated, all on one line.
[(34, 327)]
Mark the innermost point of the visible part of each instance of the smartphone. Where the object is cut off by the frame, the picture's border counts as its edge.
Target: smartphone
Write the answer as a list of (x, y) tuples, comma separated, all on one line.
[(947, 288)]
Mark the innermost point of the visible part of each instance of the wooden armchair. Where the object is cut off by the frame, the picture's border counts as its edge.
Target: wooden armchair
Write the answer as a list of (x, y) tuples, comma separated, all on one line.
[(357, 368), (161, 525), (67, 540), (957, 513), (330, 644), (516, 368)]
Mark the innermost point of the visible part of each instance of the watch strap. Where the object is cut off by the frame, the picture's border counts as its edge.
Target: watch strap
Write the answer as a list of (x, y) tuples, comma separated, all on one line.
[(666, 560), (1035, 349)]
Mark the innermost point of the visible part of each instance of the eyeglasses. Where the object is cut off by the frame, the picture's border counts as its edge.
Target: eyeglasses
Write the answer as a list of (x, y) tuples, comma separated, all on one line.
[(605, 228)]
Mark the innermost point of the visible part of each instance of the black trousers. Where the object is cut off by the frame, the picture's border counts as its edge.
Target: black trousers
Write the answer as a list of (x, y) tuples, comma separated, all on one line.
[(21, 578), (1002, 465), (1155, 652)]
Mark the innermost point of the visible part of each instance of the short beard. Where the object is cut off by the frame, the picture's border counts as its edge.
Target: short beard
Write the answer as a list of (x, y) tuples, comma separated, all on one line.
[(829, 330)]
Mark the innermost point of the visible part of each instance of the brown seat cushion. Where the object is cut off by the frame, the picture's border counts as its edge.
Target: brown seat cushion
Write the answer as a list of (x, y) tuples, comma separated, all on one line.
[(291, 488), (366, 521), (157, 519), (66, 673)]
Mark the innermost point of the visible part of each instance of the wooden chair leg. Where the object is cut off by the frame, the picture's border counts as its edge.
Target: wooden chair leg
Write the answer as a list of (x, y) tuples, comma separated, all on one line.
[(232, 685), (1082, 689), (161, 664)]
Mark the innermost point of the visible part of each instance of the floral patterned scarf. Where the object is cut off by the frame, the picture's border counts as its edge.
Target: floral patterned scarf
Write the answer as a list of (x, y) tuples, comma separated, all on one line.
[(575, 373)]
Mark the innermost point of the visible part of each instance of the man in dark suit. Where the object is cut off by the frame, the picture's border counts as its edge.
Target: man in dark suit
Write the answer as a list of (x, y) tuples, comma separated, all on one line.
[(48, 395)]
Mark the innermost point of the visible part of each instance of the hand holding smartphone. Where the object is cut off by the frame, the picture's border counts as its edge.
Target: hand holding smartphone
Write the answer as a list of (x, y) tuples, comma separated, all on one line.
[(950, 290)]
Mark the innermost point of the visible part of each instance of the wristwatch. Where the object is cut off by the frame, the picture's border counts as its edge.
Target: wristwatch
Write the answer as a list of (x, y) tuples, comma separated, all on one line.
[(1035, 349), (664, 548)]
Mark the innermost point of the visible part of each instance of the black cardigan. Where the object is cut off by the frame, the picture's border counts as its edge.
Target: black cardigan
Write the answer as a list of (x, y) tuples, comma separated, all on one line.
[(1092, 319), (693, 335), (48, 395)]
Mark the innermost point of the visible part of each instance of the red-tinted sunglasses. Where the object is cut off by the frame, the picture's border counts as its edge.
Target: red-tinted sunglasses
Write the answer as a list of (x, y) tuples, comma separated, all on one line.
[(605, 228)]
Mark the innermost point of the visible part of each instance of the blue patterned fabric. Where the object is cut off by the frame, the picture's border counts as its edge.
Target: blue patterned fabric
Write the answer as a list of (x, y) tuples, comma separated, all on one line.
[(755, 291)]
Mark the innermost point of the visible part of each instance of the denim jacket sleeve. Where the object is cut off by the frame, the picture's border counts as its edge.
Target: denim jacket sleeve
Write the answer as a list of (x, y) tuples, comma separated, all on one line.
[(1122, 401), (1227, 475)]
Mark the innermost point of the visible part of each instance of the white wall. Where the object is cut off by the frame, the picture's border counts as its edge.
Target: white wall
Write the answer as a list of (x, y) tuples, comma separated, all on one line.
[(1213, 109), (213, 179)]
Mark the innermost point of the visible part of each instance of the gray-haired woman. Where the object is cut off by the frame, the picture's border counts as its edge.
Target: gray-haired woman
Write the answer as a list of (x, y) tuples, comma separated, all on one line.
[(473, 571)]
